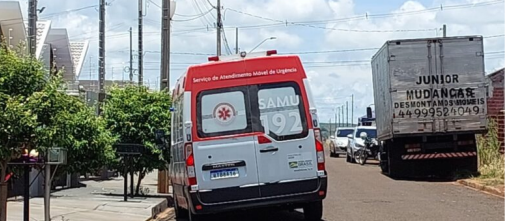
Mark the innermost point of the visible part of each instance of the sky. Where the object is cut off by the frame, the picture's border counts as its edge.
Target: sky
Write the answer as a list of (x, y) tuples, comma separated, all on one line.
[(334, 38)]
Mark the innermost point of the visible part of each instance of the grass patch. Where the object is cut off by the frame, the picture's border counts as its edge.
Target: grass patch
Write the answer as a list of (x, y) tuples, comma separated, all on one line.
[(491, 161)]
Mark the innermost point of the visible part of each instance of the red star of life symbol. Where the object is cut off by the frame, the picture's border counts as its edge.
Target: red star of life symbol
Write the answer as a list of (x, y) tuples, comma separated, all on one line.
[(224, 113)]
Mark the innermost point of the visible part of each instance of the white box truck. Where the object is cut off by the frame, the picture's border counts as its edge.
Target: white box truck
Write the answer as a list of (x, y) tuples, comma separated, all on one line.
[(430, 100)]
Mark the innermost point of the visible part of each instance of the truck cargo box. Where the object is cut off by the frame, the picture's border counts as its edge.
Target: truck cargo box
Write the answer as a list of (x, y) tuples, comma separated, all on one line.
[(430, 86)]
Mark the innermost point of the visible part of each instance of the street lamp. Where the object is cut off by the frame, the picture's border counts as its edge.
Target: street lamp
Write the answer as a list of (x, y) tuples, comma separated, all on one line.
[(271, 38)]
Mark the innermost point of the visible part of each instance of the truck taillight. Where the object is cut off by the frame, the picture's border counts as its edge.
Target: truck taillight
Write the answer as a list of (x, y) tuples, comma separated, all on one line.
[(320, 154), (190, 164)]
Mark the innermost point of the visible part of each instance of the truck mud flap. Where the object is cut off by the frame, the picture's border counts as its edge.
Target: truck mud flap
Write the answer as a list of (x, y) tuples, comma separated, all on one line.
[(438, 155)]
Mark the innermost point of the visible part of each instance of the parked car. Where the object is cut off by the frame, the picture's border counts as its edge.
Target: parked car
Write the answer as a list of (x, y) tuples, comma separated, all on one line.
[(355, 142), (339, 141)]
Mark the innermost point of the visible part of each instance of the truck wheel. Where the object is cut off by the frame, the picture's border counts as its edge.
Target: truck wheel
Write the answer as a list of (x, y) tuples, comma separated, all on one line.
[(383, 161), (313, 211)]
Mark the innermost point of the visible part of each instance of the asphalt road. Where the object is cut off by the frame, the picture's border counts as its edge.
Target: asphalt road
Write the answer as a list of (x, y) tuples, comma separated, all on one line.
[(363, 193)]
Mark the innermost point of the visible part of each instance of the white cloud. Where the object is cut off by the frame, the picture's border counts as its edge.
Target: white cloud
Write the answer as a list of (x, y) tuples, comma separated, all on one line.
[(332, 85)]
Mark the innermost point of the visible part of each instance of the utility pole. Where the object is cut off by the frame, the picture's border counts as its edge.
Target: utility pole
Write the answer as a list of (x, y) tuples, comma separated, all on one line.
[(47, 192), (131, 76), (342, 114), (330, 127), (444, 30), (91, 58), (32, 46), (237, 41), (352, 109), (101, 56), (218, 29), (32, 27), (141, 80), (338, 117), (347, 122), (335, 120), (165, 62)]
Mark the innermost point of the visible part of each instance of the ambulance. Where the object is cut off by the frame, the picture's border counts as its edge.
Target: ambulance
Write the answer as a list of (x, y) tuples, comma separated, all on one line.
[(245, 134)]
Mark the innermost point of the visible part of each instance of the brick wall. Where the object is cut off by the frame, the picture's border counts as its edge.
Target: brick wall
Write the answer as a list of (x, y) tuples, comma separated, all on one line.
[(496, 102)]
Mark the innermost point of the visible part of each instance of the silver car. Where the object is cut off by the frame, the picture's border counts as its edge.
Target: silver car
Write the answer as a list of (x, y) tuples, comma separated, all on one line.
[(339, 142)]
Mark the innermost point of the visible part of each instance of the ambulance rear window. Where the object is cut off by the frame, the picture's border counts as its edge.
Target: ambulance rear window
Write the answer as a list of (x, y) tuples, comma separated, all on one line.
[(223, 112), (282, 111), (276, 109)]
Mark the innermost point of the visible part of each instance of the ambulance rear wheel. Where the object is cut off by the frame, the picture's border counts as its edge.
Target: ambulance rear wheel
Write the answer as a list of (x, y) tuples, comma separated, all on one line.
[(313, 211)]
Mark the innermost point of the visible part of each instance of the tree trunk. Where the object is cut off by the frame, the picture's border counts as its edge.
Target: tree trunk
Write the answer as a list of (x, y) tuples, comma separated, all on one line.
[(142, 174), (3, 192)]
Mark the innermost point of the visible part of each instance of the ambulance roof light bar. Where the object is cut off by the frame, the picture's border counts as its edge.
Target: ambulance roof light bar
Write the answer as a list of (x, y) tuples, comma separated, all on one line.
[(242, 54)]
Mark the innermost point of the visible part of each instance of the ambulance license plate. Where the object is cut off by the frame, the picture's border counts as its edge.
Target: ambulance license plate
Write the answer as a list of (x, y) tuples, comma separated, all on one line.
[(225, 173)]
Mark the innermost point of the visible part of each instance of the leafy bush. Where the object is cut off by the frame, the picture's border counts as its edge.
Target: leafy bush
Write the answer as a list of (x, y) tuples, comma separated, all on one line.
[(491, 162)]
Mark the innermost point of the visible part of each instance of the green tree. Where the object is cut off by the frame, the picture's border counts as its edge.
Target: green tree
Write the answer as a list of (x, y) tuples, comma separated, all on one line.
[(133, 114), (20, 77), (36, 114), (71, 124)]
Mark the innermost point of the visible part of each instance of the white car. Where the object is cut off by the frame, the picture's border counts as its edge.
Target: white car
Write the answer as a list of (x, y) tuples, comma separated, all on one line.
[(355, 142), (339, 141)]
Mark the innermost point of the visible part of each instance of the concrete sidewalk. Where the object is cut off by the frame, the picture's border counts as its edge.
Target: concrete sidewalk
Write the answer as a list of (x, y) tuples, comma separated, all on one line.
[(98, 201)]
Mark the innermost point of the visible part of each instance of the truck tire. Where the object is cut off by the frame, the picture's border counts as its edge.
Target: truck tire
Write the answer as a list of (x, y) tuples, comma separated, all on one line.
[(396, 168), (383, 158), (313, 211)]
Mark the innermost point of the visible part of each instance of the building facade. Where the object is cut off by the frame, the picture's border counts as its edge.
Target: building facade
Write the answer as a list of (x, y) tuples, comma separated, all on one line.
[(496, 102)]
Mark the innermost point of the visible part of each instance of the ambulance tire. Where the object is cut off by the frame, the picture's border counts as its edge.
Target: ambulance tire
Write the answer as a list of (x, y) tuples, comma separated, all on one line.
[(313, 211)]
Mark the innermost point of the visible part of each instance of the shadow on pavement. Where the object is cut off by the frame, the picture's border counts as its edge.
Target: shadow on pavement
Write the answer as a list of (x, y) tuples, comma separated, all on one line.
[(431, 178), (256, 215)]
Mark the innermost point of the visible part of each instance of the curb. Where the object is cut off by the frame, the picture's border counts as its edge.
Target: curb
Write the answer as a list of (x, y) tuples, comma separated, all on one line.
[(157, 209), (481, 187)]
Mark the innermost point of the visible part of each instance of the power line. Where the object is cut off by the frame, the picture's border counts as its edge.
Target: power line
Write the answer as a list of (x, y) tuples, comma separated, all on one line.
[(333, 62), (495, 52), (157, 5), (334, 29), (331, 51), (393, 14), (494, 36), (46, 16), (362, 17), (197, 6), (190, 19)]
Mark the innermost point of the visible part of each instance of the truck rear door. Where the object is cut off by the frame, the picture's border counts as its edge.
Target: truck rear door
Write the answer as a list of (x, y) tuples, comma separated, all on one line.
[(409, 62), (438, 85), (460, 64)]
